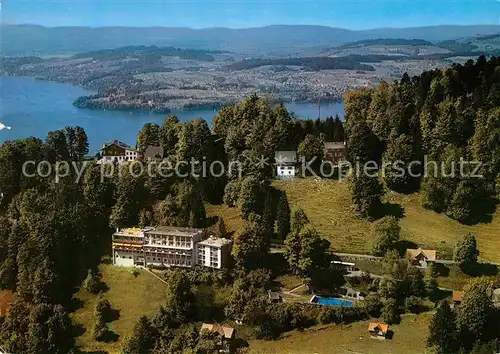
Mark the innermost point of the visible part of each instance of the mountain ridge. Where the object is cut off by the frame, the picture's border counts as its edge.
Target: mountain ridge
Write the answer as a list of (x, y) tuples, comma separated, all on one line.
[(29, 39)]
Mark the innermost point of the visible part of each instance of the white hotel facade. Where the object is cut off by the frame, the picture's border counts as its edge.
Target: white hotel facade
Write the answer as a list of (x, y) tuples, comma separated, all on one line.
[(168, 247)]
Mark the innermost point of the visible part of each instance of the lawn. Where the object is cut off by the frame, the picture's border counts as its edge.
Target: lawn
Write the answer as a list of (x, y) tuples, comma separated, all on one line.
[(409, 338), (327, 204), (232, 219), (131, 296)]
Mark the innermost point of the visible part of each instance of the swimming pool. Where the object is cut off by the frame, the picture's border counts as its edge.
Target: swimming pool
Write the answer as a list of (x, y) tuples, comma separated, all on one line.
[(331, 301)]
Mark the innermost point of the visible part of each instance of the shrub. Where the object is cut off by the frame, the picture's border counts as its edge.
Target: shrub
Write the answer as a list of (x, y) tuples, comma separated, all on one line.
[(93, 283), (372, 305), (413, 304), (135, 272)]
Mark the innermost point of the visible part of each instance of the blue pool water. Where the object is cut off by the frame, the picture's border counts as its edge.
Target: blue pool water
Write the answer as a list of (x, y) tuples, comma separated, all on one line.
[(331, 301)]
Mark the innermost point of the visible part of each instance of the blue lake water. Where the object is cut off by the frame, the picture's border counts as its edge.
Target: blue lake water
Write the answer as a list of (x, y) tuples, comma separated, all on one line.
[(33, 108)]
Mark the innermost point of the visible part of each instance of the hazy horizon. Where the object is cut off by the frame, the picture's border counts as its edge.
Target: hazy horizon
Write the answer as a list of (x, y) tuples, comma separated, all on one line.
[(197, 14)]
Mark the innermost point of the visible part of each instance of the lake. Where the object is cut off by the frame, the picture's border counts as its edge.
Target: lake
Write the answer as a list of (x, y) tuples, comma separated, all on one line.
[(33, 108)]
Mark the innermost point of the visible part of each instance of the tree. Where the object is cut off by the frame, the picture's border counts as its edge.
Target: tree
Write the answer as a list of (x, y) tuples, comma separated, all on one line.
[(443, 330), (372, 304), (222, 229), (180, 301), (386, 234), (81, 147), (93, 282), (306, 254), (311, 150), (390, 311), (142, 339), (388, 288), (393, 266), (170, 134), (413, 304), (149, 135), (208, 343), (466, 251), (299, 220), (283, 217), (399, 155), (251, 246), (130, 195), (366, 193), (475, 316), (56, 146), (268, 217), (249, 198)]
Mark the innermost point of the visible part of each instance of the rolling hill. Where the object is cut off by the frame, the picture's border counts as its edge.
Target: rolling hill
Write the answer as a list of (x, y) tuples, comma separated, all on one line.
[(38, 40)]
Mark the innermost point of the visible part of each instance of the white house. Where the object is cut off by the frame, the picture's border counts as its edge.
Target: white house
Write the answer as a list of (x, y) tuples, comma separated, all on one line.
[(118, 152), (285, 164), (213, 252)]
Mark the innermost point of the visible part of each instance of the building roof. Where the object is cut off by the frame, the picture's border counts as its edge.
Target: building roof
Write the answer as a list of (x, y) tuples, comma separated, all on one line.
[(227, 332), (349, 264), (154, 152), (119, 144), (131, 231), (215, 241), (285, 157), (6, 298), (174, 230), (273, 295), (457, 295), (335, 145), (383, 327), (430, 255), (496, 296)]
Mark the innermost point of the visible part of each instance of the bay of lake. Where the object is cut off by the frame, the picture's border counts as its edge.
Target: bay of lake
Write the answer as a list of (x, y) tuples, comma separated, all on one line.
[(33, 108)]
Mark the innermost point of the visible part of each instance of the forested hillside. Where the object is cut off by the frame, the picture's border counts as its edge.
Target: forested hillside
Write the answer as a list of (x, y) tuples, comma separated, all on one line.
[(445, 116)]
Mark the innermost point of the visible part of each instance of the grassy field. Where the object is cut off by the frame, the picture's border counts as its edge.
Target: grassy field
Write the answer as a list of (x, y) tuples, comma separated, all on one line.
[(131, 296), (327, 204), (409, 338)]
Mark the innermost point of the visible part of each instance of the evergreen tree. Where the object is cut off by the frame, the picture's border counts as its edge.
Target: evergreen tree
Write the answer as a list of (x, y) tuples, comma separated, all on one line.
[(466, 251), (390, 311), (283, 217), (366, 194), (386, 232), (142, 339), (251, 245), (443, 330), (475, 316), (299, 220), (222, 229), (268, 217)]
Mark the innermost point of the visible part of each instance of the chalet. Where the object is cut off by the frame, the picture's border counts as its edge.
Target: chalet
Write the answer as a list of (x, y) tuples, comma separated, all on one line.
[(420, 258), (227, 334), (457, 297), (335, 152), (378, 330), (118, 152), (273, 297), (153, 153), (6, 298), (285, 164)]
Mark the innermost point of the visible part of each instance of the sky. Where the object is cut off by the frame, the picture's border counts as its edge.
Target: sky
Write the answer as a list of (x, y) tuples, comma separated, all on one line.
[(350, 14)]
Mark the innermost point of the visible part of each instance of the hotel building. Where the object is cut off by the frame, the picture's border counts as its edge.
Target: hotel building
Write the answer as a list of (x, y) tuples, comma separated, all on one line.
[(168, 247)]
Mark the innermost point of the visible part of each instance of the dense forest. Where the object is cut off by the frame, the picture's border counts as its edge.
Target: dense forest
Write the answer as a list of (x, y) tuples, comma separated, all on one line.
[(312, 63), (442, 116)]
